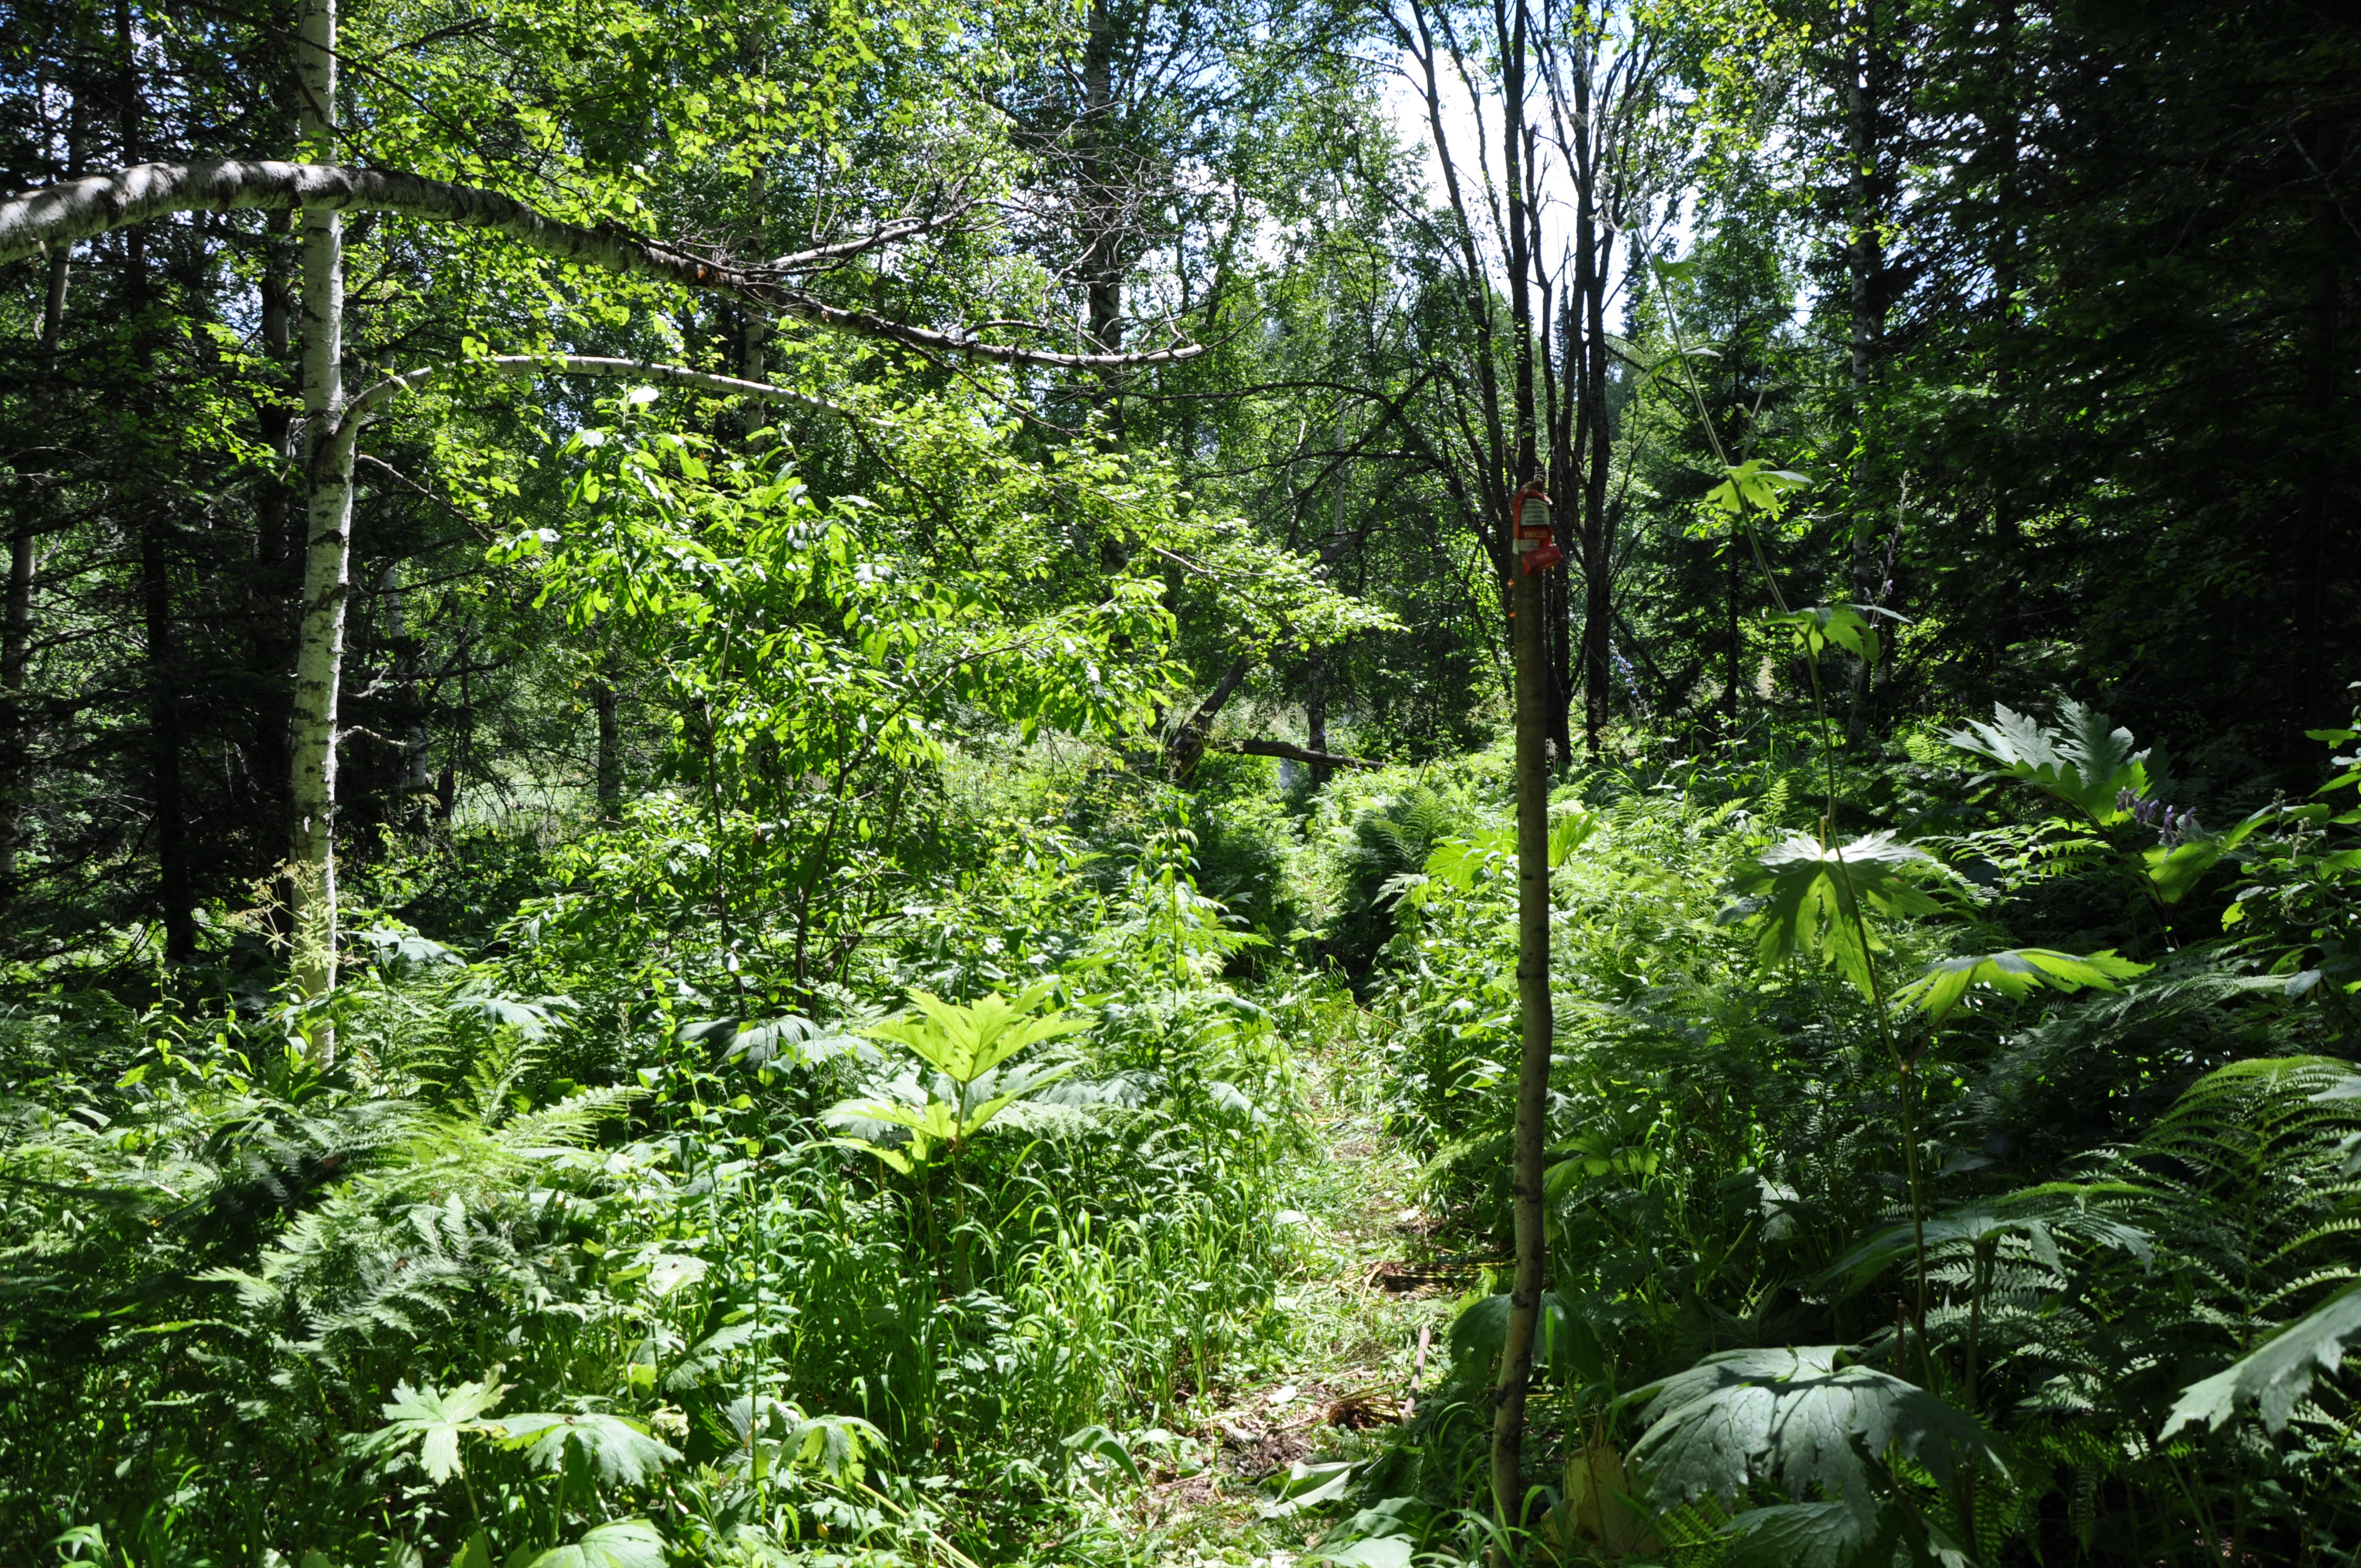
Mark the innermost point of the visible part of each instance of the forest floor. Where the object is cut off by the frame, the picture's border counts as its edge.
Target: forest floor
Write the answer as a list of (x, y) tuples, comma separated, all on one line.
[(1365, 1292)]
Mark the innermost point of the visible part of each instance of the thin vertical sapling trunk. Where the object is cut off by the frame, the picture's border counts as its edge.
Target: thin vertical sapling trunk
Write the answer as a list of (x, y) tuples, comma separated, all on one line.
[(1531, 655), (1537, 1024), (1851, 910), (1865, 286)]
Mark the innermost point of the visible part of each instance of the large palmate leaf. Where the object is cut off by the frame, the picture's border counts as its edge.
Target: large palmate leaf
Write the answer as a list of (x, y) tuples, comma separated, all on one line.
[(966, 1042), (1804, 1418), (402, 952), (1846, 626), (434, 1419), (2276, 1373), (1809, 896), (836, 1446), (618, 1449), (626, 1544), (940, 1113), (2088, 763), (1803, 1535), (2015, 974), (1754, 483), (531, 1019), (2038, 1215), (790, 1039)]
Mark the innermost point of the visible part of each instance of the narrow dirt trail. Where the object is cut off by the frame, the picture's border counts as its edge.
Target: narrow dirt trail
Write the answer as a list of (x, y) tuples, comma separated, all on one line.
[(1346, 1359)]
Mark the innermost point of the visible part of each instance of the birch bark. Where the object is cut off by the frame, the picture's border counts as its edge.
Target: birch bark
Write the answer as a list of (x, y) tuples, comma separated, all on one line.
[(328, 459)]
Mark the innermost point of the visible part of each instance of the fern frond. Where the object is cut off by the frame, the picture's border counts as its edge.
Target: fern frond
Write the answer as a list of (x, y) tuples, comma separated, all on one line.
[(572, 1123)]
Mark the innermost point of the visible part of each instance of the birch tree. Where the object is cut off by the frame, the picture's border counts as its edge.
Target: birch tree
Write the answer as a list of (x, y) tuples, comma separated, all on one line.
[(321, 188)]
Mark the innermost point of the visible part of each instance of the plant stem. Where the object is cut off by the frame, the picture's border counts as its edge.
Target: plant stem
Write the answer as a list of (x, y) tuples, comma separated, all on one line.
[(1851, 900)]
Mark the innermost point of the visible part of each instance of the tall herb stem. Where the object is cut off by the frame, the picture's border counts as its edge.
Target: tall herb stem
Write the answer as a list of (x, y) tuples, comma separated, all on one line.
[(1905, 1067)]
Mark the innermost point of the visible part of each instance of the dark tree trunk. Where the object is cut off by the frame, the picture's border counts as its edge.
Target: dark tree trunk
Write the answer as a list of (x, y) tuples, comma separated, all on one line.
[(610, 749), (173, 889), (1536, 1026), (1315, 716), (17, 632), (1531, 640), (1865, 269), (2309, 657)]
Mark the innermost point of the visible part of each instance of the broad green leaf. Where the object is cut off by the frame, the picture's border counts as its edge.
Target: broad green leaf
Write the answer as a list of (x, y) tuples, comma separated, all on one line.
[(797, 1041), (626, 1544), (1569, 833), (2089, 763), (1456, 865), (1308, 1486), (618, 1450), (1843, 626), (1806, 1416), (670, 1271), (1098, 1442), (1803, 1535), (1808, 896), (965, 1042), (1754, 483), (1377, 1551), (2276, 1373), (401, 950), (2015, 974), (2039, 1215), (2177, 869), (436, 1419), (835, 1445)]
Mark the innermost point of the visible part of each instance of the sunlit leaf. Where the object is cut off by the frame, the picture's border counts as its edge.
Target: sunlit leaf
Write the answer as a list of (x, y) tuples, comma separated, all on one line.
[(2088, 762), (626, 1544), (436, 1419), (1810, 897), (1754, 483), (2015, 973), (618, 1450)]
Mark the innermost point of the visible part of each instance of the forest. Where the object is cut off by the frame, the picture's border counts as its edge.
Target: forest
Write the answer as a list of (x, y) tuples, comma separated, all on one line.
[(1143, 784)]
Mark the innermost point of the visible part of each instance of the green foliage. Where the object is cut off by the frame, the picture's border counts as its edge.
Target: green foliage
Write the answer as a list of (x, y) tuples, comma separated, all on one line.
[(2087, 762), (1842, 626), (1810, 1418), (625, 1543), (1757, 484), (2016, 974), (434, 1420), (1807, 896), (2275, 1374)]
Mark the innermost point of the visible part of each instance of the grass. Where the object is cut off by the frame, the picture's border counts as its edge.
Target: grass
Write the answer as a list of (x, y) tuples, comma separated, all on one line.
[(1346, 1354)]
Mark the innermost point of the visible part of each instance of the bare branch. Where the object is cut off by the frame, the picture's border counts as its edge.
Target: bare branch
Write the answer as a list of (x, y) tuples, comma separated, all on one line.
[(526, 365), (80, 209)]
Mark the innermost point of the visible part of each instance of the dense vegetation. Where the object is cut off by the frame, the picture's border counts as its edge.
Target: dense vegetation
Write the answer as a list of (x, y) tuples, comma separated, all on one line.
[(746, 752)]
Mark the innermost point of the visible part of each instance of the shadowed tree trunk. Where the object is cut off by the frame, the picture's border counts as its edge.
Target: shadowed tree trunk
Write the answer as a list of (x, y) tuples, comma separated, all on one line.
[(1530, 636), (1865, 283), (17, 632)]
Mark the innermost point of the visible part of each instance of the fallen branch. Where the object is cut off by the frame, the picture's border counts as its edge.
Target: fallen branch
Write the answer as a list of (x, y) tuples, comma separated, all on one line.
[(523, 366), (1292, 753)]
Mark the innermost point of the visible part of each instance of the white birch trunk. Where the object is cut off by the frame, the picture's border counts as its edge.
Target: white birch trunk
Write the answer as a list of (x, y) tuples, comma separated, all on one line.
[(320, 635)]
